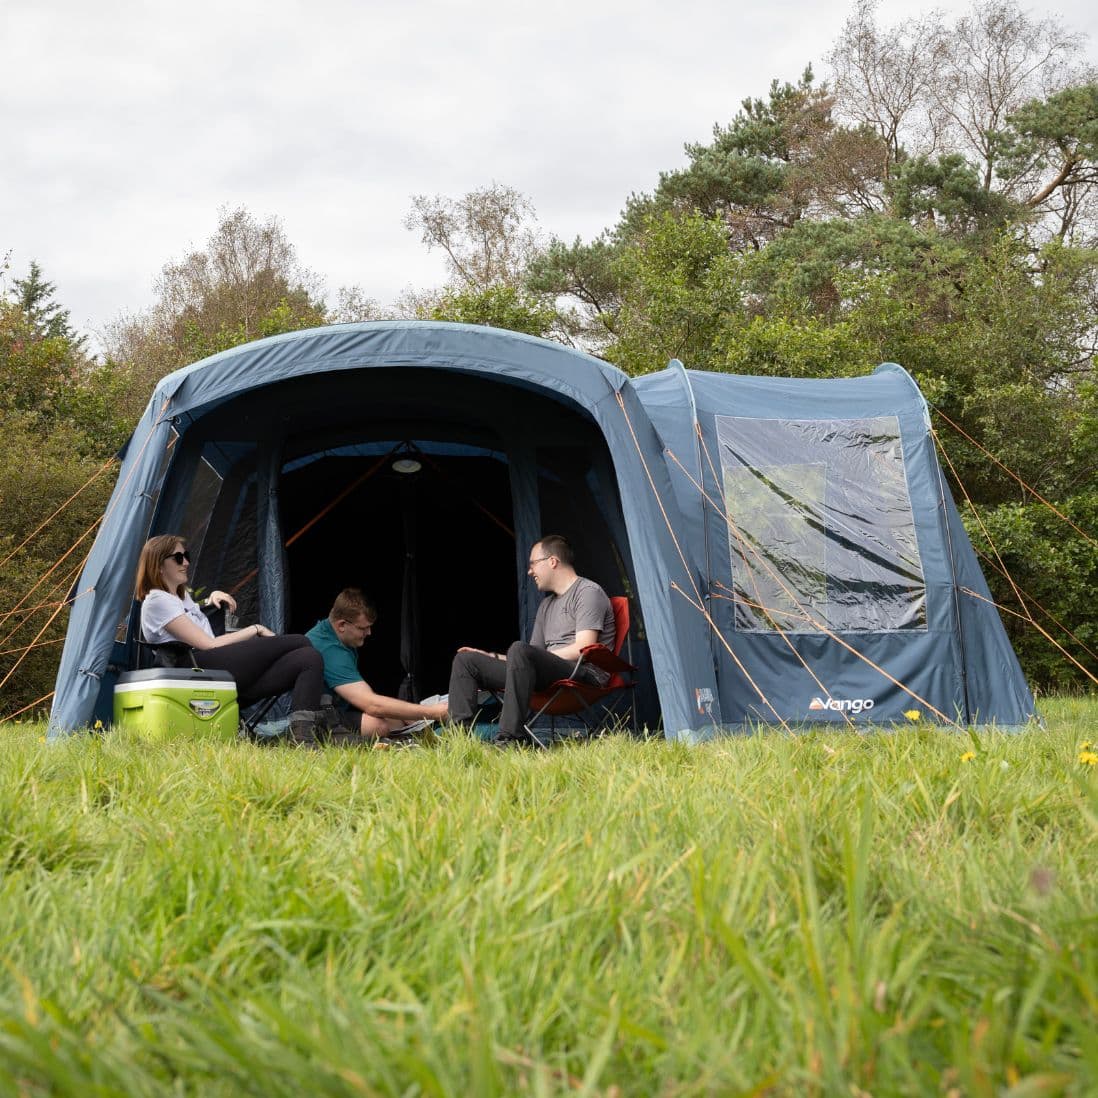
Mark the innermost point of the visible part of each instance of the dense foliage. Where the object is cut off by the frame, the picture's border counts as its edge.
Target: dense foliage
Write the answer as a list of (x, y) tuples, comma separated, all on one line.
[(66, 414), (61, 427)]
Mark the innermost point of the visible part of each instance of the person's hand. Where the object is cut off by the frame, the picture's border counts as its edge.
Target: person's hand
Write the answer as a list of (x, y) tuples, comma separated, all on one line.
[(222, 598), (262, 631), (469, 648), (436, 712)]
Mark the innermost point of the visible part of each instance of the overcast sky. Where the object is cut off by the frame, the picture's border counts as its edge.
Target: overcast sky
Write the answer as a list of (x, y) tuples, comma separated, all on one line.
[(124, 127)]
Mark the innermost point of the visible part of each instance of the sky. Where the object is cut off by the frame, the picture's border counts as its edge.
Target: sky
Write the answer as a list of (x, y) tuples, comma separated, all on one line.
[(126, 127)]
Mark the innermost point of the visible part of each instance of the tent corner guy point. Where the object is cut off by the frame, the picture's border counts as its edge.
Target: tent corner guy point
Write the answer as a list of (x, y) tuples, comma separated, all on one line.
[(789, 547)]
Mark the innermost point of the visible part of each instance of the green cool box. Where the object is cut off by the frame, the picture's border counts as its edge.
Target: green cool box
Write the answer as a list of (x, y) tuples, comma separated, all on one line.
[(163, 703)]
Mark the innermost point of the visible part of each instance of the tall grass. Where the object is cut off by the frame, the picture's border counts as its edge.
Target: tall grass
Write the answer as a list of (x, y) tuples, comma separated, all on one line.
[(824, 914)]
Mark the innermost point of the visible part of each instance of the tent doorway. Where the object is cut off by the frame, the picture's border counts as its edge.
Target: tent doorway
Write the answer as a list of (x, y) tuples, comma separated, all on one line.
[(434, 549)]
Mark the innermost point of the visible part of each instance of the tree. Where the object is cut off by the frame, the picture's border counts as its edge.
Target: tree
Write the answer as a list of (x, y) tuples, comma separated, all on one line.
[(488, 235), (60, 412), (245, 284), (34, 296), (759, 172), (47, 375), (490, 239), (1053, 145), (929, 88), (679, 285), (884, 80), (999, 58)]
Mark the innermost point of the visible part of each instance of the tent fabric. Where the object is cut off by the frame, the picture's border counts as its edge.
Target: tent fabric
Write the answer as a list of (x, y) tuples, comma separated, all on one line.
[(186, 401), (954, 658), (847, 527)]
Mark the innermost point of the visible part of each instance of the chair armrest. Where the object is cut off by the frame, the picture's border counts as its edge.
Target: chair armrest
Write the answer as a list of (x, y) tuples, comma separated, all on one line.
[(598, 655)]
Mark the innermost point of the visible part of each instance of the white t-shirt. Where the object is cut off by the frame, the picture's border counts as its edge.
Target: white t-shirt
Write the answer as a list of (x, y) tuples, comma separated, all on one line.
[(161, 607)]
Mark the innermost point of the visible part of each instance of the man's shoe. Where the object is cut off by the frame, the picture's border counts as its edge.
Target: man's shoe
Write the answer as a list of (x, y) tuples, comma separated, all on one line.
[(387, 743), (525, 741)]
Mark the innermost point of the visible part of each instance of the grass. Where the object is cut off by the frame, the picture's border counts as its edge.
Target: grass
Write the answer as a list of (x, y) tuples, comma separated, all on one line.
[(826, 914)]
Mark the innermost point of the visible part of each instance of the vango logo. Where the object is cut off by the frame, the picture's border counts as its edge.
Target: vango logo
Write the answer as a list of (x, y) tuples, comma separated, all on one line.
[(843, 705)]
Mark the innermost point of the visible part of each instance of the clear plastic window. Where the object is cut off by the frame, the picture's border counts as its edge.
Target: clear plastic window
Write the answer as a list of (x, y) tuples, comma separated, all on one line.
[(821, 533)]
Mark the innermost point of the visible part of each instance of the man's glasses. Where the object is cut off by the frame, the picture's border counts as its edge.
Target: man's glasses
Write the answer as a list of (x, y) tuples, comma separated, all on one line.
[(538, 560), (179, 558)]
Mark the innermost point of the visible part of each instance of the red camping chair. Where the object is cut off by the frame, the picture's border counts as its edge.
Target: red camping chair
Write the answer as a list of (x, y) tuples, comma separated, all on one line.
[(570, 696)]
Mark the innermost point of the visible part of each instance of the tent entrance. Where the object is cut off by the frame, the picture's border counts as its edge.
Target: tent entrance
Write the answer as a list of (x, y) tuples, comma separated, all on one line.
[(290, 496), (434, 549)]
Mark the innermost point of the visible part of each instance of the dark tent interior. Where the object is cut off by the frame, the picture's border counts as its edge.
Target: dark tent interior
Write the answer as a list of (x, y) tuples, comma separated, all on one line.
[(440, 549), (433, 549)]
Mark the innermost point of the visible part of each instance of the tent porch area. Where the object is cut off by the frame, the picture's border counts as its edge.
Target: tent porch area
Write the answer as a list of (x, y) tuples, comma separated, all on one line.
[(423, 487)]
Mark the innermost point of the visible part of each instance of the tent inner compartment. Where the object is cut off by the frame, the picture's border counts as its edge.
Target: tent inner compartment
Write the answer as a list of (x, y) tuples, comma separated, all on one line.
[(454, 523), (432, 549)]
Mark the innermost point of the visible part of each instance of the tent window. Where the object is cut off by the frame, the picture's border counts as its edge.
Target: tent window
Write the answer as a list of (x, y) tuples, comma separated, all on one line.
[(821, 532), (205, 488)]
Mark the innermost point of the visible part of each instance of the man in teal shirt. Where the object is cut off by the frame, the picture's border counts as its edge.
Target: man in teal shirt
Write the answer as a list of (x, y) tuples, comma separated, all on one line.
[(337, 638)]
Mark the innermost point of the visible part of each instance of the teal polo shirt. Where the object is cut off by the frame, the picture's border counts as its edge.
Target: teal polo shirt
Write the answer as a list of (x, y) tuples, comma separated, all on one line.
[(340, 662)]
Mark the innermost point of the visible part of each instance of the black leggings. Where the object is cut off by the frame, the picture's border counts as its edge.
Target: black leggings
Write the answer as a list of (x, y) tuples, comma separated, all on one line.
[(263, 666)]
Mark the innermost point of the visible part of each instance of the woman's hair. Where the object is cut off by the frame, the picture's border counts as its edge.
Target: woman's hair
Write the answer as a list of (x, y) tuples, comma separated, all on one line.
[(156, 551)]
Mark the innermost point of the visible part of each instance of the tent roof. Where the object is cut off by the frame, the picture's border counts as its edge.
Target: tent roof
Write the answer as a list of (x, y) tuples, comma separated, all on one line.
[(889, 390), (526, 361)]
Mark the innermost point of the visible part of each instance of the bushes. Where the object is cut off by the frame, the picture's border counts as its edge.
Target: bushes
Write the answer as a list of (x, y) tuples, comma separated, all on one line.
[(41, 468), (1054, 565)]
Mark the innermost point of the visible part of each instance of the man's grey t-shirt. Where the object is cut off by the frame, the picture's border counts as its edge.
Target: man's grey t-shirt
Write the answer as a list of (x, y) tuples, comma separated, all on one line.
[(560, 617)]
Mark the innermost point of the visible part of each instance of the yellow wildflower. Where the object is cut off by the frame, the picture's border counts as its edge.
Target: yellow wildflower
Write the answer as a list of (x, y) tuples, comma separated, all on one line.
[(968, 756), (913, 714), (1088, 758), (1086, 745), (98, 726)]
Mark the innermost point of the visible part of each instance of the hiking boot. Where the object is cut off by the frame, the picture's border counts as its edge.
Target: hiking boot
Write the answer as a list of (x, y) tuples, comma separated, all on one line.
[(329, 716), (304, 727)]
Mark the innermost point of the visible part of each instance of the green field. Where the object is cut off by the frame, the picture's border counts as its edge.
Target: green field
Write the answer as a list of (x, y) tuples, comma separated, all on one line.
[(830, 914)]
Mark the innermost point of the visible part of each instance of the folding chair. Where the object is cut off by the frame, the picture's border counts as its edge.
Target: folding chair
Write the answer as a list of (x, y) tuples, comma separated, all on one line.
[(574, 697)]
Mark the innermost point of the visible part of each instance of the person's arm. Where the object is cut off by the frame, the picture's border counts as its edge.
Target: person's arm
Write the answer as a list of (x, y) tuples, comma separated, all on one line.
[(362, 696), (571, 652), (185, 631)]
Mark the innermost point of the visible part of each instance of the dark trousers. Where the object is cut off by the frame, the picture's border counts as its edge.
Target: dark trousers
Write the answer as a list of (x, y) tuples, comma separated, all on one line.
[(263, 666), (525, 670)]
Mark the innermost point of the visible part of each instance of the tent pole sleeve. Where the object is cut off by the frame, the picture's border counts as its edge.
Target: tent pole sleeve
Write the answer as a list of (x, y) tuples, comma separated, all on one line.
[(271, 578), (943, 514), (526, 509), (707, 593)]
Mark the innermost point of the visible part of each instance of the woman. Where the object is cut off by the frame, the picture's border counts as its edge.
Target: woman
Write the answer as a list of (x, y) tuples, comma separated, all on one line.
[(261, 662)]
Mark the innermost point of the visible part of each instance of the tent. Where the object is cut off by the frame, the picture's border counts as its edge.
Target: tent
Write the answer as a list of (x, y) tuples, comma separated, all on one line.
[(789, 548)]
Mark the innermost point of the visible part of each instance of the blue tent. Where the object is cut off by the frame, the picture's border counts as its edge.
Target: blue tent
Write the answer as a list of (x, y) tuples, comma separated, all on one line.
[(790, 549)]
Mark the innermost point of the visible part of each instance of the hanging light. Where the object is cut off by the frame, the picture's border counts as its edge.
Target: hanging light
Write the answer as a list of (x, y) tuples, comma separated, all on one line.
[(406, 459)]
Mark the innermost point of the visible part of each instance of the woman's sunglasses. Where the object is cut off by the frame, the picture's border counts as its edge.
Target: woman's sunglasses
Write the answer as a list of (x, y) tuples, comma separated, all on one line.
[(179, 558)]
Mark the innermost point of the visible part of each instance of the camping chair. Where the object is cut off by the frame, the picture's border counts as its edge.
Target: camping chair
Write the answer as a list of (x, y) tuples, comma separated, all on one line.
[(177, 654), (574, 697)]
